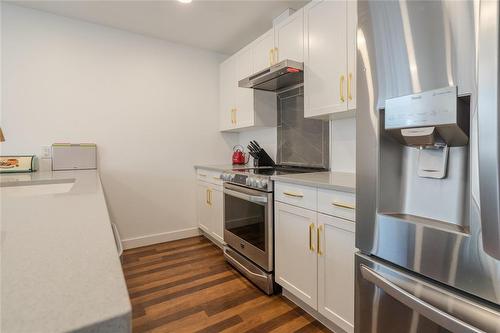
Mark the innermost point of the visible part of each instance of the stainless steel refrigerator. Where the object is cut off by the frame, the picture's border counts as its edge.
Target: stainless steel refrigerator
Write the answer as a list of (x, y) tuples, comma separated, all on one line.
[(428, 203)]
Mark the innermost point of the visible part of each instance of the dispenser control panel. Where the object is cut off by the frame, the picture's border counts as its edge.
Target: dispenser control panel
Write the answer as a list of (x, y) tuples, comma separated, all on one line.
[(429, 108)]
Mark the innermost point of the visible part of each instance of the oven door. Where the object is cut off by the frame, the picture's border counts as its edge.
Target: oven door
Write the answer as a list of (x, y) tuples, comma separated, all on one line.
[(392, 300), (248, 223)]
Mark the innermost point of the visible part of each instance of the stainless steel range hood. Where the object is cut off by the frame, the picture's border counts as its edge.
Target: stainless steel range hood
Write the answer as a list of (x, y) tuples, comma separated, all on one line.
[(284, 74)]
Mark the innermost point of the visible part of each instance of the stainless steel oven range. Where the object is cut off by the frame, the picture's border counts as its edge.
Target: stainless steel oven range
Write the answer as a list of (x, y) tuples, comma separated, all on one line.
[(249, 222)]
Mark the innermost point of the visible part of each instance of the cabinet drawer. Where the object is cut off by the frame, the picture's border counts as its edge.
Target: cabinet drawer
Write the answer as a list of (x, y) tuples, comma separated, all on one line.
[(337, 203), (209, 176), (297, 195)]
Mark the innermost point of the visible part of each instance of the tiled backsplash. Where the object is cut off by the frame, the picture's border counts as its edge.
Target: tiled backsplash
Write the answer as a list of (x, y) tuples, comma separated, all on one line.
[(342, 143)]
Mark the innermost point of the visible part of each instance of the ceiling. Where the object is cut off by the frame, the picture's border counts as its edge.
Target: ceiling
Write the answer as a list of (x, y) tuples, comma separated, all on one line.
[(221, 26)]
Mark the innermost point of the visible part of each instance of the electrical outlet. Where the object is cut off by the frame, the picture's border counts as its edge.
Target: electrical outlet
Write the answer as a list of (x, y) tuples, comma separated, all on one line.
[(46, 152)]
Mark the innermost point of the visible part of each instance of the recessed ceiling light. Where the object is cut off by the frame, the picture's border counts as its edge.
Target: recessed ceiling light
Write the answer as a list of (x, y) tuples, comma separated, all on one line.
[(185, 1)]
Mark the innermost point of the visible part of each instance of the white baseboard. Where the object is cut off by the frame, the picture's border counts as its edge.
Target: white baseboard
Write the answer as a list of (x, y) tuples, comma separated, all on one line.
[(131, 243)]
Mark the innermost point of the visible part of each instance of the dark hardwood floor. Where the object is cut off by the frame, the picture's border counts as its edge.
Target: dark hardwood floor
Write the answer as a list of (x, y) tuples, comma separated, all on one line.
[(186, 286)]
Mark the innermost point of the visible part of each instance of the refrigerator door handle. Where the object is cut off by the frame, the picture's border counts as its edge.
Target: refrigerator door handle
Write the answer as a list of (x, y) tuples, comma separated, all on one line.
[(427, 310), (488, 127)]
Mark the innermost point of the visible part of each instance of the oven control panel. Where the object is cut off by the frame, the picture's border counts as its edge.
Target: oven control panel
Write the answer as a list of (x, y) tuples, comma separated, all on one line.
[(252, 181)]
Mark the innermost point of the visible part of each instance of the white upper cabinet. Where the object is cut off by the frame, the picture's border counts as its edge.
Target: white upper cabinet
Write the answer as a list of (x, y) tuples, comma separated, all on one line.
[(227, 93), (328, 78), (262, 51), (352, 33), (289, 38), (239, 107), (244, 109)]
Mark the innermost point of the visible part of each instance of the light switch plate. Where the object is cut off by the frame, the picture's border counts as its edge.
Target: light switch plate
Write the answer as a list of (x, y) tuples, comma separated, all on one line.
[(46, 152)]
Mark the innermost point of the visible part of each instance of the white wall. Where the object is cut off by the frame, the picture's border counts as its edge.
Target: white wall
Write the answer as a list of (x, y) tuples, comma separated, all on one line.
[(343, 145), (151, 107)]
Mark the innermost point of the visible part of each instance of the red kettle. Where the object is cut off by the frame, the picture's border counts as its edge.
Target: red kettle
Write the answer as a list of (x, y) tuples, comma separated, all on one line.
[(238, 155)]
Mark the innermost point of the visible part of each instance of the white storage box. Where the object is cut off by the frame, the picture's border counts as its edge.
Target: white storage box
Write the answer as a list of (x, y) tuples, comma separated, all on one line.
[(70, 156)]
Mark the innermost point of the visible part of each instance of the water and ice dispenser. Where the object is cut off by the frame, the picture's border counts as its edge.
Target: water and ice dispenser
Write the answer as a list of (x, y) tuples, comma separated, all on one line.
[(424, 169)]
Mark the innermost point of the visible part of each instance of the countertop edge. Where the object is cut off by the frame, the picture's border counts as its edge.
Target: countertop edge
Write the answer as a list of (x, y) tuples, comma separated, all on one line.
[(221, 167), (291, 180)]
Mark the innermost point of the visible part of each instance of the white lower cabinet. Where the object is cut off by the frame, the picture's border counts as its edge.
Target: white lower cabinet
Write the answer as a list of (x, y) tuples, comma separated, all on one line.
[(209, 204), (203, 206), (314, 260), (296, 262), (336, 270), (217, 216)]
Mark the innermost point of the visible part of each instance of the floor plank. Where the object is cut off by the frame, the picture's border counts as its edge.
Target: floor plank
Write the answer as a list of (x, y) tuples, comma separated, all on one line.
[(186, 286)]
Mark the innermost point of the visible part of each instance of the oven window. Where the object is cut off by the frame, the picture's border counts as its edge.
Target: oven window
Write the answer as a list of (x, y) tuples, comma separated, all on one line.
[(246, 220)]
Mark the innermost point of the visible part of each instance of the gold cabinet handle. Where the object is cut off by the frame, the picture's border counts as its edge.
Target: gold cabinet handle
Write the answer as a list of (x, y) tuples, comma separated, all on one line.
[(207, 197), (343, 205), (342, 98), (216, 177), (295, 195), (311, 231), (271, 56), (318, 237), (276, 54), (349, 82)]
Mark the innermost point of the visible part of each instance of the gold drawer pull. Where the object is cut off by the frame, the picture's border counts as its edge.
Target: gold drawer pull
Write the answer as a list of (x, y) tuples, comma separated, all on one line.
[(311, 230), (343, 205), (320, 229), (216, 178), (342, 98), (295, 195), (349, 83)]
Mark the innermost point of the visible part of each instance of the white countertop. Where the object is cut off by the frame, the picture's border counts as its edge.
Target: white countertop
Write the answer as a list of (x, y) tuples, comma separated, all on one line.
[(223, 167), (60, 267), (341, 181)]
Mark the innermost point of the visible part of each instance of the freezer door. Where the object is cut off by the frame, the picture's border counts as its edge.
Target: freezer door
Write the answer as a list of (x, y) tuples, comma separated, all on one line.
[(390, 300)]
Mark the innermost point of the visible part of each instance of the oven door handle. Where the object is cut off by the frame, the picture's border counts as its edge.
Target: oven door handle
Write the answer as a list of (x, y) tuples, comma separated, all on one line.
[(237, 263), (247, 197)]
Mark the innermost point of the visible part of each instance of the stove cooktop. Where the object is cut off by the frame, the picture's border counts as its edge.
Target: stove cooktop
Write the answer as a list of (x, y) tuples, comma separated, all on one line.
[(259, 178)]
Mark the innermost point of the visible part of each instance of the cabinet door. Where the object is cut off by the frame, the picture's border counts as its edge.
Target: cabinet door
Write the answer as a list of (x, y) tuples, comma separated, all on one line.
[(336, 270), (217, 215), (203, 206), (289, 38), (261, 51), (352, 31), (227, 89), (296, 261), (244, 114), (325, 58)]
